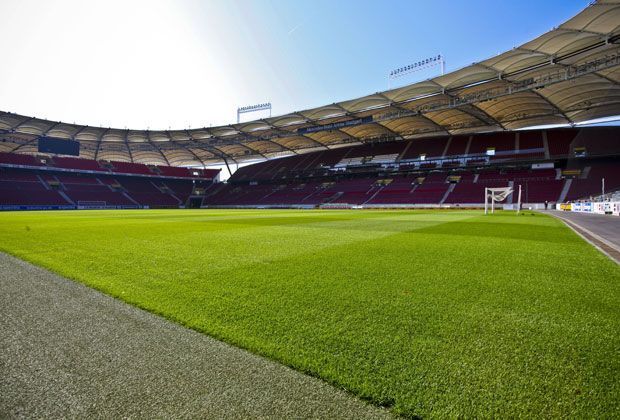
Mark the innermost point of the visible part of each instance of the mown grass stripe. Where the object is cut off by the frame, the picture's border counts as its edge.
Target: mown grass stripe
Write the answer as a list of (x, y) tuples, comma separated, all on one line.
[(435, 313)]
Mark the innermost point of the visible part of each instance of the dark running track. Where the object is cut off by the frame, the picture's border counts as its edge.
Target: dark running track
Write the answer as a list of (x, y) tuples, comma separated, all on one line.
[(69, 351), (601, 230)]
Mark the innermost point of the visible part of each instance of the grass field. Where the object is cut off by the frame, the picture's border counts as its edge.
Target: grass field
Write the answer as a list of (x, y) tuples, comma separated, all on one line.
[(432, 313)]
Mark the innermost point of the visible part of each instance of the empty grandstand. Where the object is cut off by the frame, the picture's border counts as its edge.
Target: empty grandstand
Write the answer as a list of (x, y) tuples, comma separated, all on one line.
[(45, 182), (551, 166)]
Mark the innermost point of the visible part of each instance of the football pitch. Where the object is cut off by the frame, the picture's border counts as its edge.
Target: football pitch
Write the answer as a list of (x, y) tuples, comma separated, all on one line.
[(430, 313)]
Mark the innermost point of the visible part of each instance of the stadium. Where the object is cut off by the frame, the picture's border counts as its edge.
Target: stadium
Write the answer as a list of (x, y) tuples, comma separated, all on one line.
[(444, 248)]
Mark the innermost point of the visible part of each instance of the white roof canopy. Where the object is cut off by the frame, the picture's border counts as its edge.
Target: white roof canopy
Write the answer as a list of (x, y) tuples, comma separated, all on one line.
[(568, 75)]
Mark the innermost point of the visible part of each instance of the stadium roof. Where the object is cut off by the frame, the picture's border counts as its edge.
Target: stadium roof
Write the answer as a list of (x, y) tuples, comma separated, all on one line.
[(568, 75)]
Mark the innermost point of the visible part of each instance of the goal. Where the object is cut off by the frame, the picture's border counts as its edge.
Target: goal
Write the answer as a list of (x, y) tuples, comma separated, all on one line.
[(495, 195)]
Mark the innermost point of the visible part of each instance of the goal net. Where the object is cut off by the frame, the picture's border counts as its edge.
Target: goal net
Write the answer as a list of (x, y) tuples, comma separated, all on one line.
[(495, 195)]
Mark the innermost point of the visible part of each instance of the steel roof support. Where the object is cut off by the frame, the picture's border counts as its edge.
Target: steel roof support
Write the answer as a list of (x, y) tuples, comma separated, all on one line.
[(248, 138), (29, 142), (276, 129), (208, 147), (51, 128), (152, 144), (24, 121), (492, 119), (126, 140), (295, 134), (556, 108), (99, 140), (185, 148), (82, 128), (399, 107), (227, 167), (565, 66), (285, 134)]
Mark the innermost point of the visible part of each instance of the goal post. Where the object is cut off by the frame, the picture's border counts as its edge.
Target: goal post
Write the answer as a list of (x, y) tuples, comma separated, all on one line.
[(493, 195)]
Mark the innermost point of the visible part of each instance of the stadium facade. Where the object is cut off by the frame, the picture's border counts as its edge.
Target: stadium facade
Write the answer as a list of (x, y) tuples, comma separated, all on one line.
[(435, 142)]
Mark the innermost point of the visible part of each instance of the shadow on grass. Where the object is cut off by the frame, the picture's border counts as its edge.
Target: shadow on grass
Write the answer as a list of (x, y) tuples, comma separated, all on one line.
[(516, 231), (379, 222)]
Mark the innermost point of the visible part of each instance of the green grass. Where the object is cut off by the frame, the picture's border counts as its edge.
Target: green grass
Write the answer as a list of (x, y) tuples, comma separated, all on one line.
[(433, 313)]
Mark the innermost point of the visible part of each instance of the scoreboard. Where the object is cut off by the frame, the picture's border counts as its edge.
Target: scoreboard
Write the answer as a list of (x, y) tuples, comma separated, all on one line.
[(59, 146)]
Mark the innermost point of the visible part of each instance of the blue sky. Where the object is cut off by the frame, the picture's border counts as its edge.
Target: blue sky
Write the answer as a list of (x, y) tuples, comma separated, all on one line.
[(189, 63)]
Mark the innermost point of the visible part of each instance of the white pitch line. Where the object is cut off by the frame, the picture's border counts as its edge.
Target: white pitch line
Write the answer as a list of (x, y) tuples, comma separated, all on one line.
[(575, 227)]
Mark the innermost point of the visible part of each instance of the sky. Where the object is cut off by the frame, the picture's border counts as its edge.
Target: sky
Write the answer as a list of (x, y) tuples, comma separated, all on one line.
[(161, 64)]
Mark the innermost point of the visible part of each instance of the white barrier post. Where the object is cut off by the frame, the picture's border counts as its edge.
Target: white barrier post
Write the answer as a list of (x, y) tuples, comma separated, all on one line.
[(486, 198)]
